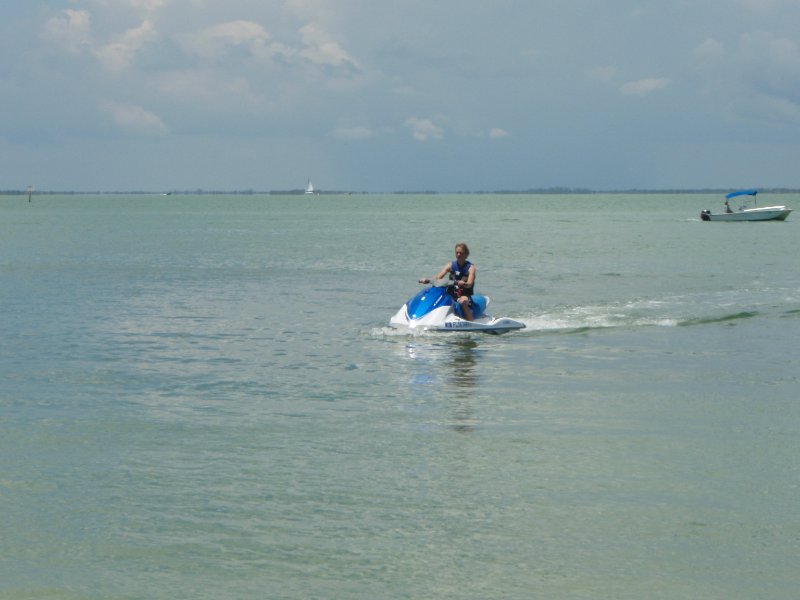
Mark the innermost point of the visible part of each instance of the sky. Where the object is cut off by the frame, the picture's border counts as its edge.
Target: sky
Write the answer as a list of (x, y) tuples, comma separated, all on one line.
[(399, 95)]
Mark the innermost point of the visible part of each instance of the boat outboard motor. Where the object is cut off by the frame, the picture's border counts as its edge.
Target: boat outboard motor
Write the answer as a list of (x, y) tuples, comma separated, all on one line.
[(705, 215)]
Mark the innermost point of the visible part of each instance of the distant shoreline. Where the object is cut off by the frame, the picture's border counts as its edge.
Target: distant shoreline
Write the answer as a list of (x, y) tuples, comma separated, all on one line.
[(301, 192)]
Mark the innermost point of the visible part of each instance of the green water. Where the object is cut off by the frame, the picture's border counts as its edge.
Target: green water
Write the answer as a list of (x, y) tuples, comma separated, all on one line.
[(201, 398)]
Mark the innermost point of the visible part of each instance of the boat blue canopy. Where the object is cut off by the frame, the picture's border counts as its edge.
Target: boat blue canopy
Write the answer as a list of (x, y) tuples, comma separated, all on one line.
[(741, 193)]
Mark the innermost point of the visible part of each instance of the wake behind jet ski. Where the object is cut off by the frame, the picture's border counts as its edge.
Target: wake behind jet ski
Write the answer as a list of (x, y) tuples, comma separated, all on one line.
[(434, 309)]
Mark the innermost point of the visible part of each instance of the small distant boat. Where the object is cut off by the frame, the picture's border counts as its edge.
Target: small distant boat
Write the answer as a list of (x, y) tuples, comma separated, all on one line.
[(747, 210), (310, 188)]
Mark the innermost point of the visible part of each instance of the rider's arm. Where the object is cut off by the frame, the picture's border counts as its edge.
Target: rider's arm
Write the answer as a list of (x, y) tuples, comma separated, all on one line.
[(445, 270), (470, 279)]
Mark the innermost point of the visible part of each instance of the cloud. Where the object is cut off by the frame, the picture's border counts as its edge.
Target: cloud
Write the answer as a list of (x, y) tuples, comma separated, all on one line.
[(643, 87), (709, 52), (496, 133), (214, 40), (314, 46), (756, 78), (135, 120), (776, 108), (119, 55), (320, 49), (424, 129), (71, 32), (772, 61), (758, 58), (306, 72), (218, 40)]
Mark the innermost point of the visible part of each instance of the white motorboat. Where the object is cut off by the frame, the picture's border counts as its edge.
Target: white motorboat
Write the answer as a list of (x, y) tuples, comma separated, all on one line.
[(747, 209)]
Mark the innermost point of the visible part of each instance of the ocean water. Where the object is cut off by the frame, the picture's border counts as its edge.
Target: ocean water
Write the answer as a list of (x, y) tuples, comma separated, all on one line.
[(200, 397)]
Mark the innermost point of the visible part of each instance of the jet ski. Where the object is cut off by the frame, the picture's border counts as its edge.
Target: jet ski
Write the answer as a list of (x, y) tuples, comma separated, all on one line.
[(434, 309)]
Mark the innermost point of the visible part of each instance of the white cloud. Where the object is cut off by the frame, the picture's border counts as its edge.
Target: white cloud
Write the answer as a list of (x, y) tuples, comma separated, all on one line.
[(757, 78), (424, 129), (119, 55), (496, 133), (709, 52), (217, 40), (135, 120), (238, 32), (320, 49), (309, 71), (643, 87), (71, 32), (315, 46)]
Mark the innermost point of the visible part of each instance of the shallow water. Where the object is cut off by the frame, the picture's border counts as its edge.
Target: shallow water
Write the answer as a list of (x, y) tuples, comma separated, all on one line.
[(201, 398)]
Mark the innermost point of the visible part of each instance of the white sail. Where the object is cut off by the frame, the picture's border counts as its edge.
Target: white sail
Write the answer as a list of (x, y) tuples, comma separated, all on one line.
[(310, 187)]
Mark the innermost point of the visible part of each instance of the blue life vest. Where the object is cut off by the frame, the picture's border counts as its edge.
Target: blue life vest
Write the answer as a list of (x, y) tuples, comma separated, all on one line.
[(461, 274)]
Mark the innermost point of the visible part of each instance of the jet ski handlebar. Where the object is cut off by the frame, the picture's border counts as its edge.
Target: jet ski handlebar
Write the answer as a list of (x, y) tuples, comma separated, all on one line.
[(438, 282)]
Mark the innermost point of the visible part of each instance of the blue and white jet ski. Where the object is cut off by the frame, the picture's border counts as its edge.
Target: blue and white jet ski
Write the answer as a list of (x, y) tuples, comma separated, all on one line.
[(434, 309)]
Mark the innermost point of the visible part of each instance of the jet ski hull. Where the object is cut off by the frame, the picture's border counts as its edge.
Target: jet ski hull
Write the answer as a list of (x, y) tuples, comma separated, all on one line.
[(433, 309)]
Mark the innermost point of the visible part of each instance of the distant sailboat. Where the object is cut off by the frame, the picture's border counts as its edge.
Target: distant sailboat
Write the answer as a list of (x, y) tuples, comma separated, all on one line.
[(310, 188)]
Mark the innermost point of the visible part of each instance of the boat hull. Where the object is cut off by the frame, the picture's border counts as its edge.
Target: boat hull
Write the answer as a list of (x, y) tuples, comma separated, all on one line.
[(766, 213)]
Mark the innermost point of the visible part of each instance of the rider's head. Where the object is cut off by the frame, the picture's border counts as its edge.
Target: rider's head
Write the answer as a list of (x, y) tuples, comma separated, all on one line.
[(464, 249)]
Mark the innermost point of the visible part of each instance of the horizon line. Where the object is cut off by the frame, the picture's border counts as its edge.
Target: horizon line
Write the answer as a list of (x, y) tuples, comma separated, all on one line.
[(299, 191)]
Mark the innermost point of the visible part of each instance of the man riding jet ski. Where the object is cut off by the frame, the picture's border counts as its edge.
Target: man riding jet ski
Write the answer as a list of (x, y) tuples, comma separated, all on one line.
[(451, 304)]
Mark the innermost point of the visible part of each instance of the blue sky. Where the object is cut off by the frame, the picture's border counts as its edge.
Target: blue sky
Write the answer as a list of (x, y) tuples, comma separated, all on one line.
[(372, 95)]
